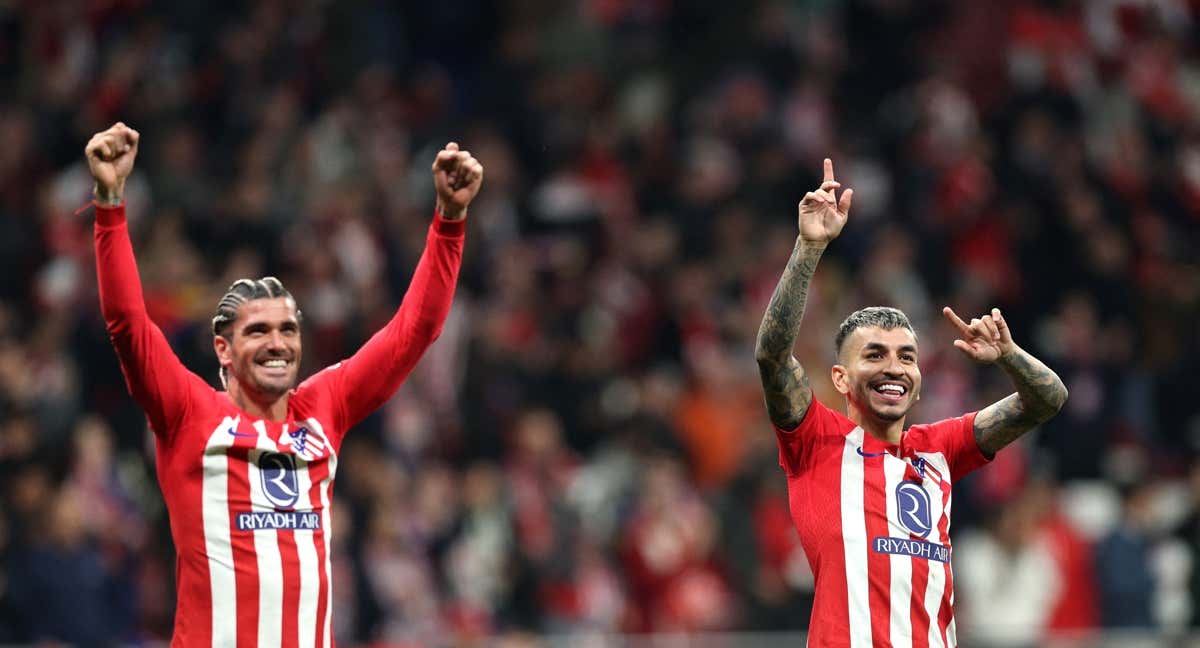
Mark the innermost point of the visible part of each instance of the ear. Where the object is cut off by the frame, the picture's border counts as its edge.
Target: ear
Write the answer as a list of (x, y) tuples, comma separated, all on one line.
[(840, 380), (224, 351)]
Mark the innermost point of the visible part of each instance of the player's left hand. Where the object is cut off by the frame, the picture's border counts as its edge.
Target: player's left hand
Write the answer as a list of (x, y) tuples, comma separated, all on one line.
[(457, 176), (986, 339)]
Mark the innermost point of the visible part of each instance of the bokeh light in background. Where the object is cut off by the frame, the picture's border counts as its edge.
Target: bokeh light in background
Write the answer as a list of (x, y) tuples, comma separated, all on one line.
[(585, 449)]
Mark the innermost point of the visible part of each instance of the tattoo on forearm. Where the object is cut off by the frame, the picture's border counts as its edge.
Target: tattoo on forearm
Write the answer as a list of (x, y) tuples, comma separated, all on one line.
[(107, 197), (1040, 394), (785, 384)]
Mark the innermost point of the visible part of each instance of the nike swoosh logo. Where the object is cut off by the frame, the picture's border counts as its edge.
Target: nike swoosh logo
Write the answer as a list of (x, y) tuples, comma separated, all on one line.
[(869, 454), (235, 433)]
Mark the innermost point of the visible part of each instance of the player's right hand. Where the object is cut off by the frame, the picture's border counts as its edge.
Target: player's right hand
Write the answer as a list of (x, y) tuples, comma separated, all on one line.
[(822, 214), (110, 156)]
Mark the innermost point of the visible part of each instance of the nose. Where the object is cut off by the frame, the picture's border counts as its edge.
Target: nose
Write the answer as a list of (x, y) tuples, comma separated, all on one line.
[(894, 368), (275, 341)]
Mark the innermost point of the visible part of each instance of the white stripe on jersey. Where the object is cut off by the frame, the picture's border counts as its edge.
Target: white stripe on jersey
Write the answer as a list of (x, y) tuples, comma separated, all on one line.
[(854, 541), (217, 543), (933, 602), (901, 565), (306, 552), (327, 531), (266, 552)]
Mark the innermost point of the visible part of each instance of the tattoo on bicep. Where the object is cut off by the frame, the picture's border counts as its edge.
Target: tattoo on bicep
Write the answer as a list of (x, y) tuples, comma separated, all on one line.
[(785, 384), (1042, 391), (1001, 423), (781, 323), (787, 391), (1040, 394)]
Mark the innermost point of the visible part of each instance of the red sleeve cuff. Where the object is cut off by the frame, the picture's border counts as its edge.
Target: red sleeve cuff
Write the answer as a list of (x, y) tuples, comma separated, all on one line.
[(444, 227), (109, 216)]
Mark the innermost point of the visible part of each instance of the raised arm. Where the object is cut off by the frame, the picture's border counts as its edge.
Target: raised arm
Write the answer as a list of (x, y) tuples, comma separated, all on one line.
[(1040, 392), (370, 377), (156, 378), (785, 384)]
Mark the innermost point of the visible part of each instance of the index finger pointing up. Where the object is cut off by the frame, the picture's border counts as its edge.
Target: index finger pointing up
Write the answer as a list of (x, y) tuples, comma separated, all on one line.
[(828, 170), (956, 320)]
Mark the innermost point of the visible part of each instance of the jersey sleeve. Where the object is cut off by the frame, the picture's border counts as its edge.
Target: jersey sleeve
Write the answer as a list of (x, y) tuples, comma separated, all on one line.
[(956, 439), (363, 382), (795, 445), (156, 378)]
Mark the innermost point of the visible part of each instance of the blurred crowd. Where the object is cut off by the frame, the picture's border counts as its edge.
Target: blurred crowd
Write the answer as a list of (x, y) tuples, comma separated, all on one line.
[(585, 449)]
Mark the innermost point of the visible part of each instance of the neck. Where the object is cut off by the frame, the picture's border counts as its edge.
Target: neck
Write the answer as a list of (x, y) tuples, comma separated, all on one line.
[(886, 431), (264, 407)]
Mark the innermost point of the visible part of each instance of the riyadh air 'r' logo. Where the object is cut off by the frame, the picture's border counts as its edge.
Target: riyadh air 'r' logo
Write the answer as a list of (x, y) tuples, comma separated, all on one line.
[(912, 505), (279, 484)]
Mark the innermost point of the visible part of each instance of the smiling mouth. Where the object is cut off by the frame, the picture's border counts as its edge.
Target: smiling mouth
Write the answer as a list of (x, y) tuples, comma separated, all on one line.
[(274, 364), (891, 391)]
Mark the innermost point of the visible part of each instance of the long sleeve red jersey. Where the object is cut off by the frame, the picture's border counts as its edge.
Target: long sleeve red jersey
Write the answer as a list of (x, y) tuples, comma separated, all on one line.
[(249, 499)]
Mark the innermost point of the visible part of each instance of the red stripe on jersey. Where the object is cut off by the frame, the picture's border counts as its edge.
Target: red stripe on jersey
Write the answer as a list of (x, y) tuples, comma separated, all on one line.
[(187, 632), (831, 603), (245, 563), (879, 565), (193, 623), (319, 473), (291, 588)]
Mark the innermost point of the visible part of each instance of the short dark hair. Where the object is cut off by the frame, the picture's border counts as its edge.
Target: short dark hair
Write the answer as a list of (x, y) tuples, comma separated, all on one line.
[(242, 291), (885, 317)]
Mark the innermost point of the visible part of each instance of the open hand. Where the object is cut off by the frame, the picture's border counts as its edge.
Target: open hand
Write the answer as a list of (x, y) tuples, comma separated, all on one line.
[(822, 214), (457, 176), (986, 339), (110, 155)]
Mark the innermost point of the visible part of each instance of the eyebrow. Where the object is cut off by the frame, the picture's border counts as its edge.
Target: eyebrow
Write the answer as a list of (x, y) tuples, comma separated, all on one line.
[(879, 346), (289, 325)]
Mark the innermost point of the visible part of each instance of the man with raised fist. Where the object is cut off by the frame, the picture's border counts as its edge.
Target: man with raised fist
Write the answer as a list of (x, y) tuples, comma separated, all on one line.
[(246, 472)]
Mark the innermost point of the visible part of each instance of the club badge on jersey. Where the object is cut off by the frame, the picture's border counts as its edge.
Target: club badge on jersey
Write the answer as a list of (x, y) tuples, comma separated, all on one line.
[(304, 439), (276, 458)]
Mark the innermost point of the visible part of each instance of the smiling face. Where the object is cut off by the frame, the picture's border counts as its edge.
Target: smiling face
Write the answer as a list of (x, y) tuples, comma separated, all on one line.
[(878, 372), (262, 350)]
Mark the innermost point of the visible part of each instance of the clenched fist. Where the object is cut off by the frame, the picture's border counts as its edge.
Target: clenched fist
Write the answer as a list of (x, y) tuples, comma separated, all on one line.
[(457, 176), (110, 155)]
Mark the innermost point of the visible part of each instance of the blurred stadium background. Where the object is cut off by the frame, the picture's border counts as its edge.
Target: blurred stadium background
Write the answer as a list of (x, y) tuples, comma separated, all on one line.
[(584, 455)]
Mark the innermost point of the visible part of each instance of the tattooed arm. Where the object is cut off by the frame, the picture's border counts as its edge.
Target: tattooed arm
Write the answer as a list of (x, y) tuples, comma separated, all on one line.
[(785, 384), (1040, 392)]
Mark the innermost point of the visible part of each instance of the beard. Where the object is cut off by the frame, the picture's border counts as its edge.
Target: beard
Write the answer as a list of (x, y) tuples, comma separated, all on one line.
[(275, 388), (890, 416), (269, 386)]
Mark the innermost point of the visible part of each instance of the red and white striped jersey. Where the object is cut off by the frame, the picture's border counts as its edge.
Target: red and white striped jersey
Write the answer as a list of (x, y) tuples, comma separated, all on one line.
[(874, 521), (249, 499)]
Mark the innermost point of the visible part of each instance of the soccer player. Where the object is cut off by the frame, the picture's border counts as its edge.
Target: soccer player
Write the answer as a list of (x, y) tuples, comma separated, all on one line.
[(246, 472), (869, 498)]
